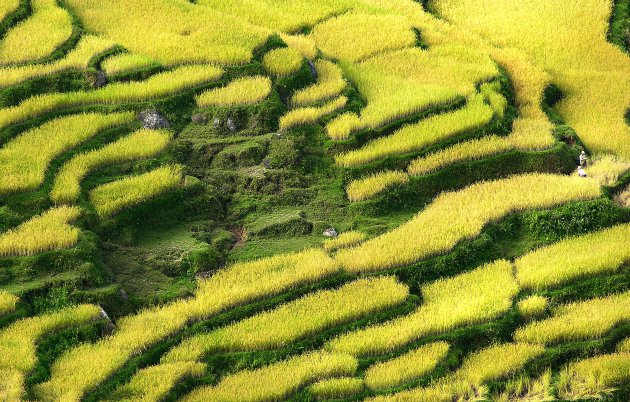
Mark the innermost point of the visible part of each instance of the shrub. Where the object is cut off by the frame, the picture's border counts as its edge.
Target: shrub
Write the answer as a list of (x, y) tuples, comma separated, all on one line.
[(283, 154), (24, 159), (48, 231), (283, 61), (362, 189), (407, 367), (241, 91)]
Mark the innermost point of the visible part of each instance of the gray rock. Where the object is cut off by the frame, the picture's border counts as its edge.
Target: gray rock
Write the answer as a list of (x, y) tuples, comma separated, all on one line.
[(100, 80), (313, 69), (330, 232), (267, 163), (216, 123), (123, 295), (199, 118), (151, 119), (230, 124), (109, 326)]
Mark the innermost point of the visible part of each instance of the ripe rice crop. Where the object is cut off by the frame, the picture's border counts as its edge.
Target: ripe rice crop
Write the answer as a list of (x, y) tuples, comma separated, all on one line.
[(24, 159), (11, 385), (346, 239), (462, 214), (329, 84), (523, 389), (297, 319), (141, 144), (624, 345), (45, 232), (242, 91), (83, 368), (18, 341), (489, 292), (282, 61), (356, 36), (7, 7), (362, 189), (595, 377), (336, 388), (341, 126), (588, 319), (533, 306), (111, 198), (491, 91), (607, 168), (7, 302), (402, 369), (302, 43), (159, 85), (155, 382), (415, 137), (277, 381), (124, 62), (172, 33), (466, 383), (310, 115), (37, 36), (573, 258), (531, 134), (78, 58)]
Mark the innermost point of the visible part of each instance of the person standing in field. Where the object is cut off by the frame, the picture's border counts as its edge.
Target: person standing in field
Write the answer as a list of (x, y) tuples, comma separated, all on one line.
[(583, 159)]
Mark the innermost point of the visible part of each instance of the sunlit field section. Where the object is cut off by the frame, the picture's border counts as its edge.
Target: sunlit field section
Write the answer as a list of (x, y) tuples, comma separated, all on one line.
[(594, 378), (83, 368), (171, 32), (574, 258), (7, 7), (346, 239), (7, 302), (25, 159), (329, 84), (141, 144), (125, 62), (111, 198), (588, 319), (277, 381), (414, 137), (593, 74), (489, 292), (297, 319), (532, 306), (311, 114), (40, 34), (336, 388), (48, 231), (364, 188), (411, 365), (18, 341), (242, 91), (466, 383), (159, 85), (78, 58), (282, 61), (462, 214)]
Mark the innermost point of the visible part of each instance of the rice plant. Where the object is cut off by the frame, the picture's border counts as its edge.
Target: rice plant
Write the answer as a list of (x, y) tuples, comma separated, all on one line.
[(581, 320), (282, 61), (345, 239), (39, 35), (409, 366), (607, 168), (624, 345), (242, 91), (111, 198), (336, 388), (532, 306), (124, 62), (340, 127), (159, 85), (8, 302), (462, 214), (368, 187), (310, 115), (277, 381), (488, 291), (48, 231), (138, 145), (7, 7), (302, 43), (78, 58), (573, 258), (18, 341), (525, 389), (155, 382), (25, 159), (329, 84), (81, 369), (415, 137), (594, 378), (492, 92)]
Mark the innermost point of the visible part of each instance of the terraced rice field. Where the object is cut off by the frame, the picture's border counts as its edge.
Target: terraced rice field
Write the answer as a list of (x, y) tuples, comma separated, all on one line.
[(264, 200)]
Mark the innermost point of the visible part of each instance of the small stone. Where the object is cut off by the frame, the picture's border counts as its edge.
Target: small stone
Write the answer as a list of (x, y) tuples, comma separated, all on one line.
[(151, 119), (230, 124), (278, 136), (267, 163), (199, 118), (109, 326), (100, 80), (330, 232), (123, 295), (216, 123)]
